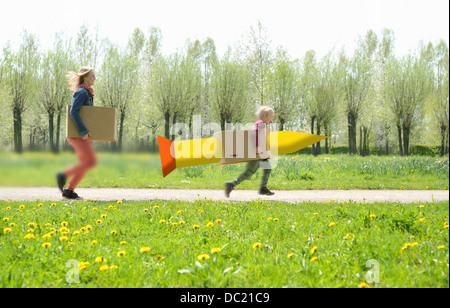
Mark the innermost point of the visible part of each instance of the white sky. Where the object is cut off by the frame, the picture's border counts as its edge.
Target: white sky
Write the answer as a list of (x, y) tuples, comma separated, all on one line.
[(298, 25)]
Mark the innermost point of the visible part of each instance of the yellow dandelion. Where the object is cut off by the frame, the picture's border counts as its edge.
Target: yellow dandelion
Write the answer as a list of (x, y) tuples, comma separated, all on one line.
[(83, 265), (119, 202), (180, 211), (64, 224), (53, 204), (99, 222), (7, 230), (156, 207), (76, 232), (210, 224), (63, 238), (372, 216), (275, 219), (314, 259), (123, 243), (47, 236), (349, 236), (12, 224), (218, 221), (158, 258), (182, 222), (162, 221), (121, 253), (94, 242), (103, 216), (100, 260), (30, 231), (363, 285), (113, 232), (46, 245), (145, 210), (290, 255), (216, 250), (422, 220), (441, 247), (22, 207), (256, 245), (195, 227), (331, 224), (313, 250), (421, 206), (315, 214), (29, 236), (145, 249), (174, 224), (445, 225), (270, 218), (6, 219), (104, 268), (82, 229), (93, 209), (200, 211), (203, 256), (113, 267), (8, 208)]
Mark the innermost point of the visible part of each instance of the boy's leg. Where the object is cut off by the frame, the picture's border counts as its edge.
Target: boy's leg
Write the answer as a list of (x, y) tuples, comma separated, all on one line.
[(266, 173), (252, 167)]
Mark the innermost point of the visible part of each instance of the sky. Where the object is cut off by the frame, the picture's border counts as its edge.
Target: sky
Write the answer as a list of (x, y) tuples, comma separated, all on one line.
[(297, 25)]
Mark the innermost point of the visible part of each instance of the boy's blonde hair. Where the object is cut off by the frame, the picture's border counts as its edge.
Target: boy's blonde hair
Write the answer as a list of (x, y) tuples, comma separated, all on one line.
[(264, 111), (75, 79)]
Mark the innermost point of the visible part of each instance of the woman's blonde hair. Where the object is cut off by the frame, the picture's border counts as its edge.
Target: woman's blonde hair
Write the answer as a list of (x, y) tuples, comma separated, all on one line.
[(75, 79), (264, 111)]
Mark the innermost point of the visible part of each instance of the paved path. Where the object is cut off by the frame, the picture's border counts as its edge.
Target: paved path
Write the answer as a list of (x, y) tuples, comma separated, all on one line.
[(113, 194)]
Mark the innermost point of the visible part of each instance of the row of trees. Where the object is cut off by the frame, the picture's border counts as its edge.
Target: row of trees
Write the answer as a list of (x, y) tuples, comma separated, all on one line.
[(371, 93)]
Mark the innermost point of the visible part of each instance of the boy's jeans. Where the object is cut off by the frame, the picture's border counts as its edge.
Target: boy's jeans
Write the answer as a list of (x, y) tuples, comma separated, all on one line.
[(252, 167)]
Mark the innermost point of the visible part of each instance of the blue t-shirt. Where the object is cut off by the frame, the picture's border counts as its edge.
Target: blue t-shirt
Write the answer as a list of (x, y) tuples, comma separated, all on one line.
[(80, 98)]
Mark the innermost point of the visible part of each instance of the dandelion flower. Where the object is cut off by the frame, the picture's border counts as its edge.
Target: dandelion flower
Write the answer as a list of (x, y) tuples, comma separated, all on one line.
[(100, 260), (113, 232), (7, 230), (8, 208), (313, 250), (64, 230), (94, 242), (6, 219), (22, 207), (104, 268), (113, 267), (363, 285), (216, 250), (180, 211), (88, 228), (156, 206), (29, 236), (53, 204), (145, 210), (331, 224), (218, 221), (119, 202), (30, 231), (445, 225), (275, 219), (203, 256), (64, 224), (290, 255), (103, 216), (46, 245), (162, 221), (99, 222), (123, 243), (47, 236), (145, 249), (121, 253), (76, 232), (182, 222), (12, 224), (441, 246), (83, 265), (314, 259), (195, 227), (210, 224), (158, 258), (315, 214), (256, 245), (372, 216)]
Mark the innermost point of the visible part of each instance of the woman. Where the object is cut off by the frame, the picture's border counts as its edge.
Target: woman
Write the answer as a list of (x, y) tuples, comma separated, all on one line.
[(81, 84)]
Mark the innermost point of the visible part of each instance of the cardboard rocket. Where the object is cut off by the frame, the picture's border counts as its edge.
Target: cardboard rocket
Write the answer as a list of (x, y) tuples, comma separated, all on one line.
[(231, 147)]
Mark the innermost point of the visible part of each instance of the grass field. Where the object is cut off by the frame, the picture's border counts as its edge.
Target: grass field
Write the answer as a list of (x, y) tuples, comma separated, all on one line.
[(290, 173), (206, 244)]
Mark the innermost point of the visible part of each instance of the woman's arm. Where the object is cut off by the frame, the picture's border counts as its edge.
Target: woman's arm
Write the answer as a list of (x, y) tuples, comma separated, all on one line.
[(78, 100)]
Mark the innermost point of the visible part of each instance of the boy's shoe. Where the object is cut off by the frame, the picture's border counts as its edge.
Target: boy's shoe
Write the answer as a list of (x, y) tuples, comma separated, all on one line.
[(61, 180), (228, 189), (265, 191), (70, 194)]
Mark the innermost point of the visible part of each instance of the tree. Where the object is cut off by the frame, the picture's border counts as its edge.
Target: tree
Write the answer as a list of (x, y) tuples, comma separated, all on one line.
[(406, 88), (283, 85), (229, 94), (117, 83), (21, 80), (53, 88)]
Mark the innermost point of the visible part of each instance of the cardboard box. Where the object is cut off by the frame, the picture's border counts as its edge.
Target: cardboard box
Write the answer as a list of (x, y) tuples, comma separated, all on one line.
[(101, 122), (240, 146)]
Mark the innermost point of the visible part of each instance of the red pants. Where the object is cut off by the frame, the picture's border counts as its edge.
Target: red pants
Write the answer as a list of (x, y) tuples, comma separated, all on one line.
[(87, 160)]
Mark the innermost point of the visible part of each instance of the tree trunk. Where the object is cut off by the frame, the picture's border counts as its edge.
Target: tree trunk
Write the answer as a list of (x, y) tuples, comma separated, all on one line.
[(18, 130), (387, 145), (352, 134), (58, 131), (318, 148), (282, 124), (122, 119), (174, 133), (443, 131), (360, 141), (406, 140), (167, 125), (51, 128), (400, 144), (327, 149), (312, 132)]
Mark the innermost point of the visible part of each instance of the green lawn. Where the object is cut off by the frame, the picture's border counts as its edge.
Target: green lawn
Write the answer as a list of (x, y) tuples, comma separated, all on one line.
[(409, 243), (291, 172)]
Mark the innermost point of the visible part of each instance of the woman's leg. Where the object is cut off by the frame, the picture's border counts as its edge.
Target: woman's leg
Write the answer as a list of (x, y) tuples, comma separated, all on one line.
[(87, 160), (266, 173)]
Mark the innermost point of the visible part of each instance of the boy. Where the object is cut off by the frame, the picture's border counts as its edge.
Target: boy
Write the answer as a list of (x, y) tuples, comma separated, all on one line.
[(265, 117)]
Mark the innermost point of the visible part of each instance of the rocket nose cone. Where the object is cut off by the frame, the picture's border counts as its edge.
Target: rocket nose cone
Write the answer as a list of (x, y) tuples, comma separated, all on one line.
[(289, 142)]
